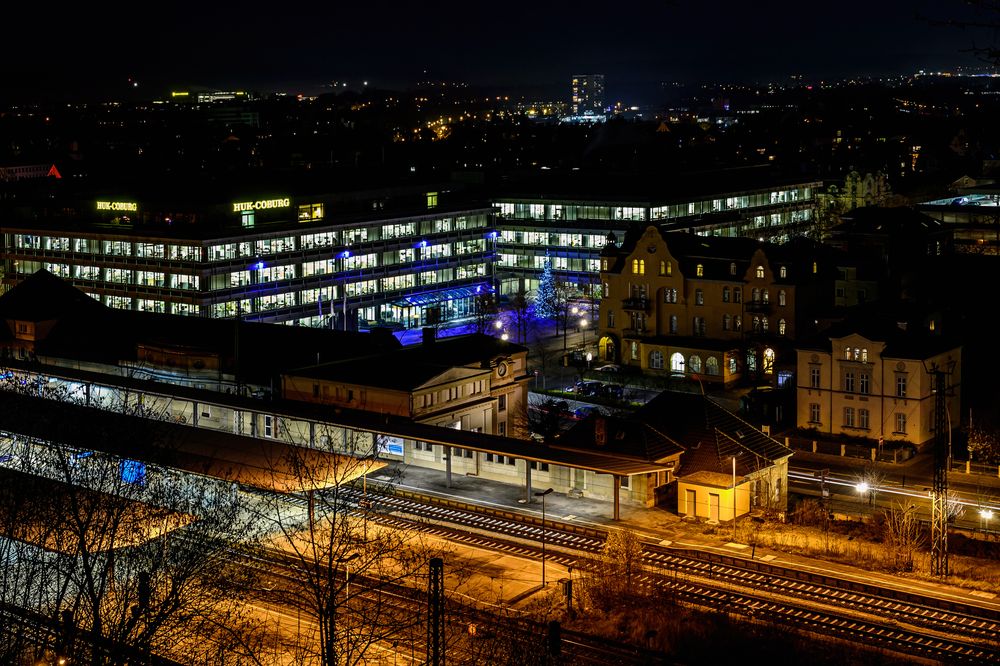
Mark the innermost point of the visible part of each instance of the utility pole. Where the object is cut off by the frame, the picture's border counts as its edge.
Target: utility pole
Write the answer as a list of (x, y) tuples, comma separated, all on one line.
[(939, 500), (435, 613)]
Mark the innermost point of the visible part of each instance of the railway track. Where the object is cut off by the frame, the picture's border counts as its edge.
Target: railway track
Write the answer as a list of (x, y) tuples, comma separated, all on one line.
[(895, 619)]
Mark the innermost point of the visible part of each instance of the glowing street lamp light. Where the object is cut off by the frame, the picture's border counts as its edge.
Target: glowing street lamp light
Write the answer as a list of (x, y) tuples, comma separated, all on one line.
[(583, 327), (986, 515), (862, 488)]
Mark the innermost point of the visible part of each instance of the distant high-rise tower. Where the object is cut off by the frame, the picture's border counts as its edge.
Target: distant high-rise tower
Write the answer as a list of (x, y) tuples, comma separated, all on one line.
[(588, 93)]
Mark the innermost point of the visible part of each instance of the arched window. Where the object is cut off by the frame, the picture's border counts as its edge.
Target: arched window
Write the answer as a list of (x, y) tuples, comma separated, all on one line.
[(781, 327), (670, 268), (673, 323), (738, 323), (765, 296), (763, 324), (783, 271), (768, 361), (755, 324), (712, 365), (760, 272), (663, 268), (656, 359), (699, 270), (781, 298), (755, 295), (864, 355), (642, 267), (694, 363), (727, 322), (815, 268), (725, 294), (677, 362), (732, 268)]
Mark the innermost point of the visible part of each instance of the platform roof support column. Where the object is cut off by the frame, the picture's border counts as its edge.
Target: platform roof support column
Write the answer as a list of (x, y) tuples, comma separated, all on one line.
[(527, 480), (447, 466), (616, 483)]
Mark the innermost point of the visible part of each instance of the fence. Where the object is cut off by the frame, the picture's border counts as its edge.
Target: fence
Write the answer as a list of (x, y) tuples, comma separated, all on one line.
[(969, 467)]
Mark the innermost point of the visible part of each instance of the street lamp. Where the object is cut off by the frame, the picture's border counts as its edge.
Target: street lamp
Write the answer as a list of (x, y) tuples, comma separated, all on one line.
[(347, 573), (862, 488), (583, 327), (542, 494), (986, 515), (734, 498)]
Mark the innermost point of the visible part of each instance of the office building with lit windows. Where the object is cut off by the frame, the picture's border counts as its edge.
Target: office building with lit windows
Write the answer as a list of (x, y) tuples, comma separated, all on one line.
[(566, 217), (404, 256)]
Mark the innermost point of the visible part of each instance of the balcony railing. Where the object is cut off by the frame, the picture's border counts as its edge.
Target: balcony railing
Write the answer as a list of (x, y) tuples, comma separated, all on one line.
[(757, 306), (637, 303), (635, 332)]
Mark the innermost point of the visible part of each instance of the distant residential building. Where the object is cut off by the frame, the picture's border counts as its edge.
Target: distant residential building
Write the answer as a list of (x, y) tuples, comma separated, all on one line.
[(871, 377), (587, 93)]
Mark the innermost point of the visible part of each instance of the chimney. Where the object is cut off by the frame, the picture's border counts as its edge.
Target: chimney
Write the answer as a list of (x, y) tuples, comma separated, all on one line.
[(429, 335)]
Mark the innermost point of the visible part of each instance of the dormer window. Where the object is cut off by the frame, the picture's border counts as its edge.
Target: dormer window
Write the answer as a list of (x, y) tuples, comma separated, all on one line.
[(783, 271), (700, 270), (732, 268), (760, 272)]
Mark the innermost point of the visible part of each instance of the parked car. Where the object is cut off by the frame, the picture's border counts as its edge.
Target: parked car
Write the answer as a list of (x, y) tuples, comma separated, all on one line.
[(608, 367)]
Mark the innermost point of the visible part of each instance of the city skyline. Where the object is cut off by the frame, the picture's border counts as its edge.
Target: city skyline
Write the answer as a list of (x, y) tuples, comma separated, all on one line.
[(81, 53)]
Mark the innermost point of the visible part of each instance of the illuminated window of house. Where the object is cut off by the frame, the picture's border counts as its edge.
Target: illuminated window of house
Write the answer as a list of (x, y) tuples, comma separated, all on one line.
[(732, 268), (656, 359), (663, 269), (604, 264), (725, 294), (768, 361), (781, 298), (864, 355), (700, 270), (760, 272), (247, 218), (670, 268), (901, 423), (782, 327), (783, 271), (737, 294), (765, 296), (432, 199), (815, 268)]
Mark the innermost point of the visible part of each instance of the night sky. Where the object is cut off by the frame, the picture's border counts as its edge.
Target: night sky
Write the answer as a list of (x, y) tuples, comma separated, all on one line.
[(536, 47)]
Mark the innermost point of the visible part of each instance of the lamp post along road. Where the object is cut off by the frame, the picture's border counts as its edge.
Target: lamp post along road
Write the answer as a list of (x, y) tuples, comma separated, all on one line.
[(542, 494), (734, 498), (347, 573)]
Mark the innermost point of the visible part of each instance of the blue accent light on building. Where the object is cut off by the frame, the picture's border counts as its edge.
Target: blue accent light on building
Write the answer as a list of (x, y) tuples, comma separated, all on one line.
[(493, 235), (344, 255), (256, 266), (421, 244)]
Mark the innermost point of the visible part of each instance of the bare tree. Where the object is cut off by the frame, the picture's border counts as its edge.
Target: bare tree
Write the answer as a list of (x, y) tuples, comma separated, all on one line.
[(901, 535), (131, 557), (344, 567), (610, 575)]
